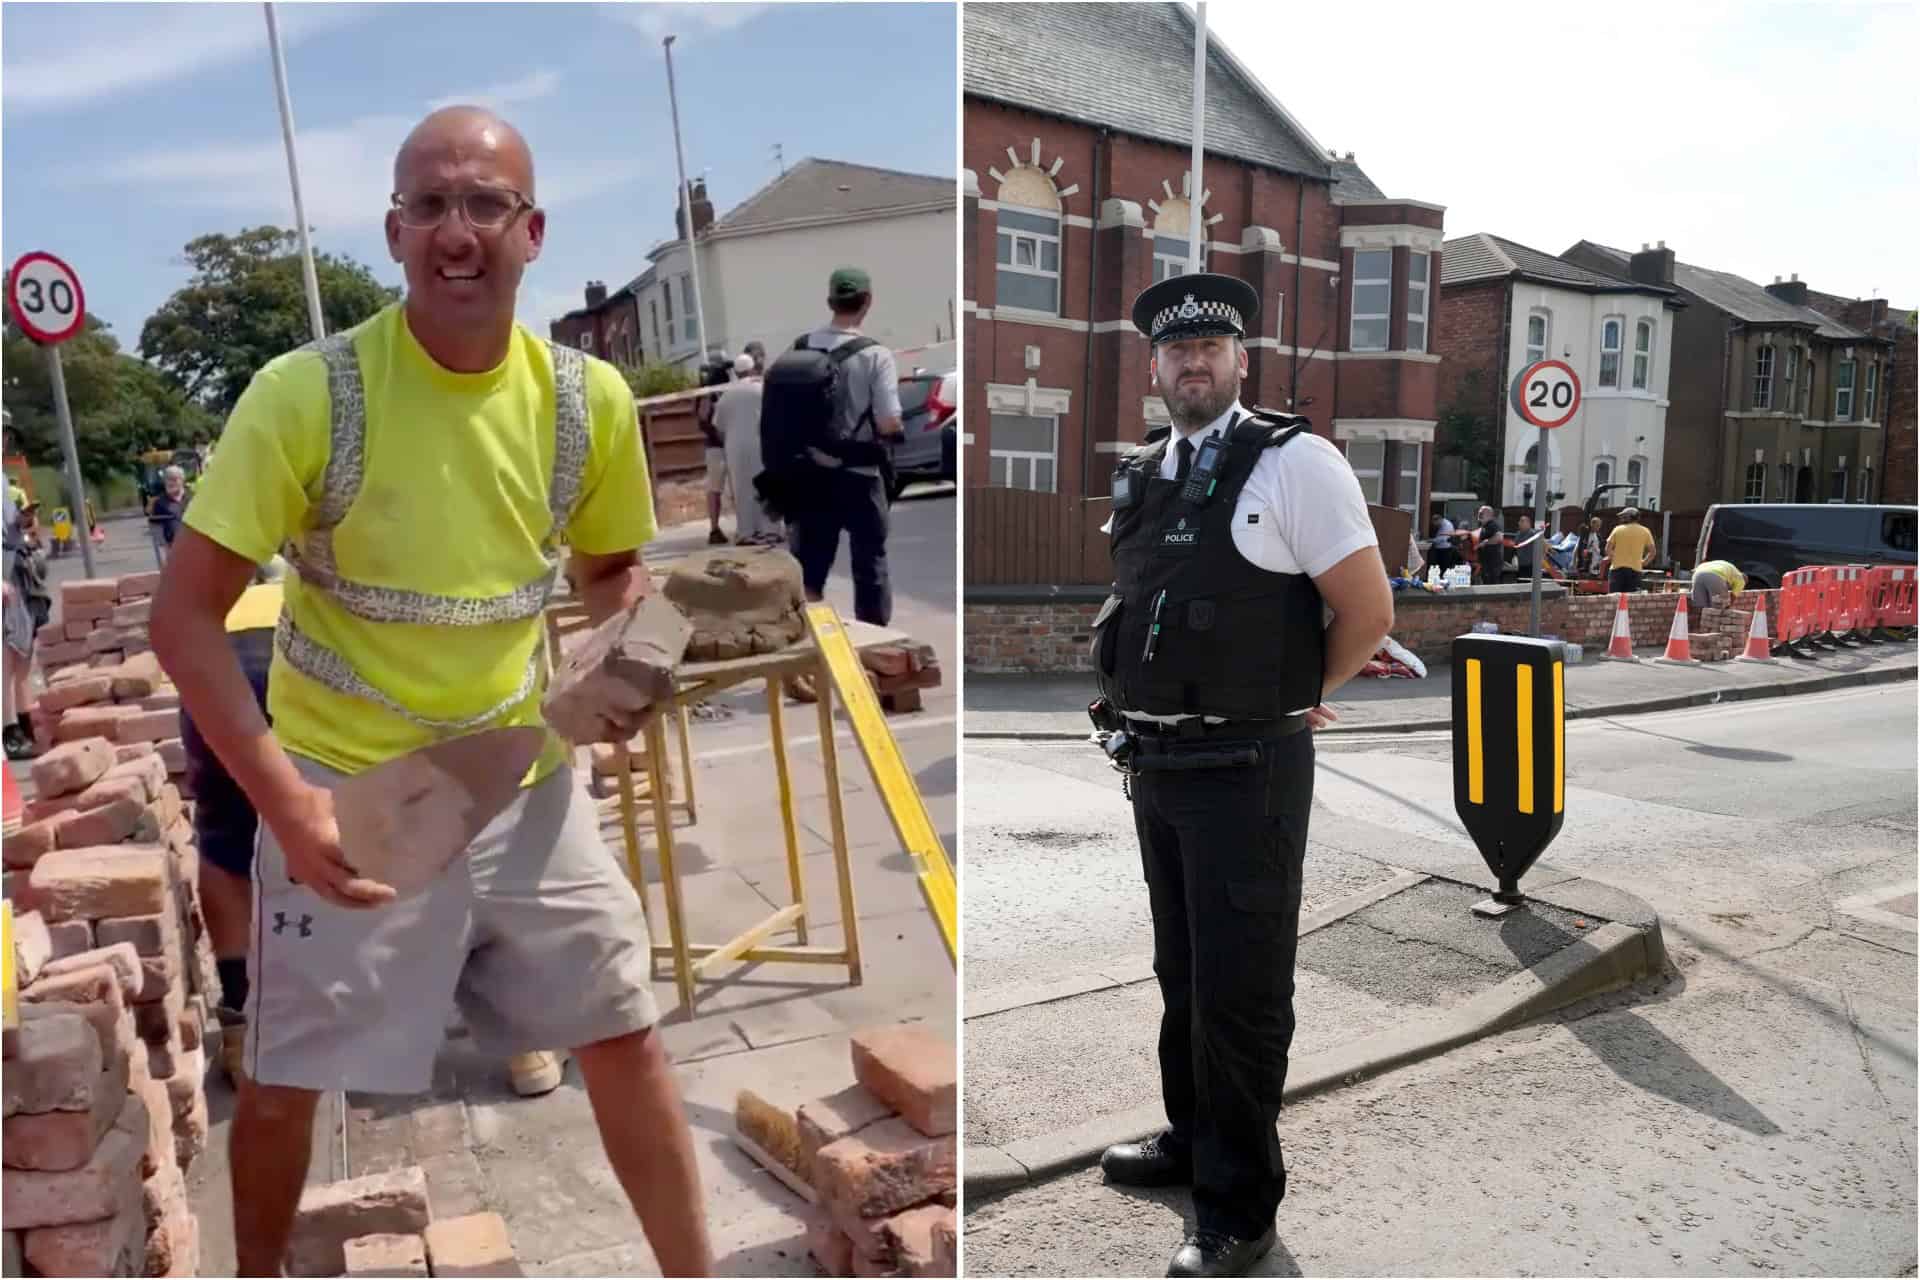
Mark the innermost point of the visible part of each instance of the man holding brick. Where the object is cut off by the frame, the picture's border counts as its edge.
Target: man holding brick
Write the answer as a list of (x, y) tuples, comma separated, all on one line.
[(422, 468)]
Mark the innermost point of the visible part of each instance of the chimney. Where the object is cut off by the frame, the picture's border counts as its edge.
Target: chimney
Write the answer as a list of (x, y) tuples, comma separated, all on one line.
[(1792, 291), (701, 206), (1652, 266), (596, 293)]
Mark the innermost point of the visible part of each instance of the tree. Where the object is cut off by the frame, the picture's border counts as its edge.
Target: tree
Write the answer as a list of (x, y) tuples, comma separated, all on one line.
[(246, 304), (655, 378), (121, 405)]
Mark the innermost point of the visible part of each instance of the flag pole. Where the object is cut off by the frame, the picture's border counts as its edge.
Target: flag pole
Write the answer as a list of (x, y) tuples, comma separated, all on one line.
[(314, 315), (686, 206), (1194, 228)]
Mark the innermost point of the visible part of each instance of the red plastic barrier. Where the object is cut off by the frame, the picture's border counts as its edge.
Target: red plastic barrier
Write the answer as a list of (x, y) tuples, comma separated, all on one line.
[(1898, 610), (1795, 605)]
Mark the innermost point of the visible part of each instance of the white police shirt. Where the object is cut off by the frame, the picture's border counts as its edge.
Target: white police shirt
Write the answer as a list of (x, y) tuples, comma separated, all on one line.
[(1301, 511)]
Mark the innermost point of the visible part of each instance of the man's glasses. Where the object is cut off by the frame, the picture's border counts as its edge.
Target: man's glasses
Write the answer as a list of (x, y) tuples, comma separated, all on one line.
[(484, 208)]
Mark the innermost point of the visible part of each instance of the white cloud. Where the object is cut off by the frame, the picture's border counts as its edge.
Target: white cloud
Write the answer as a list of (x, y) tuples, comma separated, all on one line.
[(527, 88), (685, 21), (71, 64)]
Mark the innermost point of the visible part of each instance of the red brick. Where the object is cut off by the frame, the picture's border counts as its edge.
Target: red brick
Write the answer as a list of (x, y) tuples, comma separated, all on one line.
[(162, 1191), (125, 751), (112, 1024), (133, 614), (172, 1243), (166, 699), (107, 659), (133, 585), (100, 882), (913, 1071), (71, 767), (910, 1239), (57, 1140), (473, 1245), (946, 1247), (148, 726), (190, 1128), (333, 1213), (76, 693), (156, 1119), (883, 1169), (106, 640), (108, 824), (149, 935), (829, 1245), (87, 591), (112, 1246), (386, 1254), (55, 1064), (27, 845), (121, 958), (829, 1119), (32, 945), (70, 937), (138, 677), (97, 1189), (88, 722), (65, 654)]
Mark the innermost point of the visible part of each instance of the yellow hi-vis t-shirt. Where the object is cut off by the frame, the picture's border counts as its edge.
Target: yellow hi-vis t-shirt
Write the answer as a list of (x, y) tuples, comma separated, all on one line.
[(257, 609), (453, 502)]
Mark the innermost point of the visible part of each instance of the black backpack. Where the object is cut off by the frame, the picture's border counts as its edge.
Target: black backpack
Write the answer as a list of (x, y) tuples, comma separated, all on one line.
[(802, 397)]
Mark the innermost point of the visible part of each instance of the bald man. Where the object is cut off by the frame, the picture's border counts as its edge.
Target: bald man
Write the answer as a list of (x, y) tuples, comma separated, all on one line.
[(422, 468)]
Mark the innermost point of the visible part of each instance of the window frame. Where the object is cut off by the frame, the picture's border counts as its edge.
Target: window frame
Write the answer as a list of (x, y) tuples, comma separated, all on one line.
[(1355, 315), (1637, 462), (1618, 324), (1870, 392), (1424, 289), (1643, 358), (1545, 316), (1401, 471), (1847, 390), (1610, 464), (1756, 487), (692, 315), (1377, 473), (1014, 234), (1763, 376), (1839, 473), (1161, 258), (1015, 457)]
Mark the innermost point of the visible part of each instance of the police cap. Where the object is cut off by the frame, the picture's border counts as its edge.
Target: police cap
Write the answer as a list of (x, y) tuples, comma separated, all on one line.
[(1196, 306)]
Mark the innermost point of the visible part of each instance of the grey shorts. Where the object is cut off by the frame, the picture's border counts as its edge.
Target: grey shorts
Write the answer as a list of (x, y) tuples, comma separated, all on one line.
[(716, 470), (536, 934)]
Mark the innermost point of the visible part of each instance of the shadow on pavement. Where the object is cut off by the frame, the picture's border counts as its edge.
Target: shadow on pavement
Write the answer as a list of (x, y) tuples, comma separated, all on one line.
[(1748, 754), (1646, 1058)]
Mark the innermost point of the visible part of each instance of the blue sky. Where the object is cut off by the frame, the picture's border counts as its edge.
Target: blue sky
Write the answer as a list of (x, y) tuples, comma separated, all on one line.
[(128, 129)]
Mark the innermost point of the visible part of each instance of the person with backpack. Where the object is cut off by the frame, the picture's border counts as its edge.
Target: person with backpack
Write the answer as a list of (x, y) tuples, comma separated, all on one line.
[(829, 408)]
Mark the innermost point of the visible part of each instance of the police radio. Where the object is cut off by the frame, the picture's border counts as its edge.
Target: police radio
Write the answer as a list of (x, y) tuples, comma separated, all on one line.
[(1204, 476)]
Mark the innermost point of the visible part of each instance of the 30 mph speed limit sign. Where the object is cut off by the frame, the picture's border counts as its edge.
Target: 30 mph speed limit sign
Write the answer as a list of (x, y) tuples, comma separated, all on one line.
[(44, 295), (1547, 394)]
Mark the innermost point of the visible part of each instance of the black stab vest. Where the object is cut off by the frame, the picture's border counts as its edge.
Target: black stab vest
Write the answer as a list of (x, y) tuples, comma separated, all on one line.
[(1235, 640)]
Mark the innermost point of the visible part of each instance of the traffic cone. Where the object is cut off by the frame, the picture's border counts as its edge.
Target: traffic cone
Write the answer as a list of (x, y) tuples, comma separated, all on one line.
[(1620, 643), (1679, 649), (10, 803), (1758, 649)]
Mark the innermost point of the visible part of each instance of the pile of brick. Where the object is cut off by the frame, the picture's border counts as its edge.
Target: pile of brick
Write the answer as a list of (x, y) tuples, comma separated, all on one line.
[(382, 1225), (899, 672), (877, 1159), (102, 620), (105, 1104)]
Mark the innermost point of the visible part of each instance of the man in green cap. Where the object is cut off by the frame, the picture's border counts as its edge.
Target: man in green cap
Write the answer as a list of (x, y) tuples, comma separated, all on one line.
[(852, 496)]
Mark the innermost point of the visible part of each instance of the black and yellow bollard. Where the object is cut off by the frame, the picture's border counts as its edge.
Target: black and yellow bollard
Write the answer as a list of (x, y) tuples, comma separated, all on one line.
[(1509, 753)]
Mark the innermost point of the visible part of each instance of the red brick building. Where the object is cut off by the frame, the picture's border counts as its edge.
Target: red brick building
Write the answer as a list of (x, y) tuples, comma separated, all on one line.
[(1895, 325), (1077, 196)]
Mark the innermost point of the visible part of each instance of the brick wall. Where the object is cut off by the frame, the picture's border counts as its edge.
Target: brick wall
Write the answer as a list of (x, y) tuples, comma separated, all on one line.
[(1053, 635), (1467, 325)]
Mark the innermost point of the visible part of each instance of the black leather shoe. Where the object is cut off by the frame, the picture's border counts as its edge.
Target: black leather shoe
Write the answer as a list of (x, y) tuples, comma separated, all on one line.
[(1156, 1162), (1209, 1253)]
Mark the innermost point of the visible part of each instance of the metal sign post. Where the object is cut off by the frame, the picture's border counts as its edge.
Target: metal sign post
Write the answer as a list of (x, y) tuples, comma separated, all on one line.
[(1547, 394), (1509, 753), (45, 297)]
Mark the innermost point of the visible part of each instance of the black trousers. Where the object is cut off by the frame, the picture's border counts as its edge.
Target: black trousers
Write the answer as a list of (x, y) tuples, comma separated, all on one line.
[(856, 504), (1222, 851), (1619, 580)]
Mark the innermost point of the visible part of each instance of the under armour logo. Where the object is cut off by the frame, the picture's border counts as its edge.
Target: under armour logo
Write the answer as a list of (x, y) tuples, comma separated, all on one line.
[(304, 924), (1189, 309)]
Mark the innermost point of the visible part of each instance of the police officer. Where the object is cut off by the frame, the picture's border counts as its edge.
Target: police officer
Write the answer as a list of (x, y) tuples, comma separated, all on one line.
[(1234, 532)]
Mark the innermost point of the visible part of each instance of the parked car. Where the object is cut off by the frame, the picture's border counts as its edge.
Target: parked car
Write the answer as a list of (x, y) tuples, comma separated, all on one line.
[(1766, 539), (929, 411)]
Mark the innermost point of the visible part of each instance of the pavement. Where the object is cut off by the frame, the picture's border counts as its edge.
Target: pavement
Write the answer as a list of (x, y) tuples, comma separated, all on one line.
[(1040, 708), (1747, 1106), (782, 1030)]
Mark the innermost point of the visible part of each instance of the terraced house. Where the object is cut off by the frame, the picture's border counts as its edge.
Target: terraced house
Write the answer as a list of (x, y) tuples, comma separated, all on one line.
[(1772, 400), (1077, 195)]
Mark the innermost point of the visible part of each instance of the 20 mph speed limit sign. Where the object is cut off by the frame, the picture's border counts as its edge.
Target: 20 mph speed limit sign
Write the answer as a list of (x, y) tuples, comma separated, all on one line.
[(44, 295), (1547, 394)]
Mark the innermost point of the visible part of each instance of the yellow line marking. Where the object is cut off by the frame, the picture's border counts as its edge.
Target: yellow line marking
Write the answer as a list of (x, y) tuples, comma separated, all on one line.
[(1559, 737), (1523, 715), (1476, 762), (905, 806)]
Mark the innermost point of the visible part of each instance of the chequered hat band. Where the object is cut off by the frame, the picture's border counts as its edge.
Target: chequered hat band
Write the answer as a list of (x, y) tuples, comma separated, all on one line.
[(1191, 310)]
